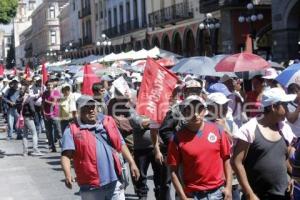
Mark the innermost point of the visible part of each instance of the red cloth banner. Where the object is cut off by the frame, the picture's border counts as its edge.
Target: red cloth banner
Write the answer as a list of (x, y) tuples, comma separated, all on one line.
[(27, 72), (1, 70), (155, 91), (89, 78), (44, 74)]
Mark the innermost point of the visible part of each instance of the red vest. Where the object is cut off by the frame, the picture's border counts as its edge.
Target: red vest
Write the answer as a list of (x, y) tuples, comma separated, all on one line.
[(85, 156)]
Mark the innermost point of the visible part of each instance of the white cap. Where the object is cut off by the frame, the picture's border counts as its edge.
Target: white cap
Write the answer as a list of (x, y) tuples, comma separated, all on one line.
[(218, 98), (192, 98), (270, 73), (275, 95), (225, 78), (192, 84)]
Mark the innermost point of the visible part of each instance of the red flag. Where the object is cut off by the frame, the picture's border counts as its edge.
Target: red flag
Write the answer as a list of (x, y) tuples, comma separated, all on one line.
[(89, 78), (248, 44), (1, 70), (44, 74), (15, 72), (27, 72), (155, 92)]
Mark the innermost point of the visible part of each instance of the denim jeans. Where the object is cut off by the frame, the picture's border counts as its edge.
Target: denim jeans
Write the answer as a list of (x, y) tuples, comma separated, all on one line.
[(30, 128), (53, 131), (214, 195), (39, 122), (143, 158), (111, 191), (64, 124), (12, 116)]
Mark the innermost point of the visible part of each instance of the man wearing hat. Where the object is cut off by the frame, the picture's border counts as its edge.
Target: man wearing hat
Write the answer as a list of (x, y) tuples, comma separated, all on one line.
[(196, 148), (10, 97), (94, 143), (263, 147)]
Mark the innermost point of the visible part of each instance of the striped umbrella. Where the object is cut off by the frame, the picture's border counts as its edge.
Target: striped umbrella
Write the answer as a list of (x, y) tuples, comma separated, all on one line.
[(289, 75)]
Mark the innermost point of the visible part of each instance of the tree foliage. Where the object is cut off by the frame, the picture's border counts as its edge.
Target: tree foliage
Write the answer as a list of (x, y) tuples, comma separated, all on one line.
[(8, 10)]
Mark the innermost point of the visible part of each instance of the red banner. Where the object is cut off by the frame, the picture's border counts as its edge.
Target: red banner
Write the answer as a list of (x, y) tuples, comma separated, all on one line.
[(44, 74), (1, 70), (27, 72), (155, 92), (89, 78)]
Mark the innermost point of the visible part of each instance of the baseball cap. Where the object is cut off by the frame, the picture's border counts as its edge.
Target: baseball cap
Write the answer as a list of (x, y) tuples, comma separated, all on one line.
[(84, 100), (225, 78), (275, 95), (270, 73), (219, 87), (191, 99), (218, 98), (192, 84)]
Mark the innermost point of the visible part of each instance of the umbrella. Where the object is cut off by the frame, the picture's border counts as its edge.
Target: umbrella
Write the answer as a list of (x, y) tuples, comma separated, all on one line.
[(289, 75), (276, 65), (120, 63), (241, 62), (200, 65), (157, 52)]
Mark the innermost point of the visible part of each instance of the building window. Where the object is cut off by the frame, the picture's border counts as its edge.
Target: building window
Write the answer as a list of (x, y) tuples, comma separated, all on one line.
[(101, 10), (115, 17), (128, 11), (121, 15), (74, 5), (109, 19), (96, 12), (31, 6), (53, 37), (52, 12)]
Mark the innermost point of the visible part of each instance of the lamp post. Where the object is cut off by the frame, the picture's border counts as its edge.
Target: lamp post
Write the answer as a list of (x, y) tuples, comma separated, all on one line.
[(250, 17), (211, 25), (104, 41)]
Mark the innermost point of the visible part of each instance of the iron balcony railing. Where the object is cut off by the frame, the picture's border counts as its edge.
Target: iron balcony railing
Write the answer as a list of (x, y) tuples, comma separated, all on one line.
[(84, 12), (170, 15), (124, 28), (87, 40)]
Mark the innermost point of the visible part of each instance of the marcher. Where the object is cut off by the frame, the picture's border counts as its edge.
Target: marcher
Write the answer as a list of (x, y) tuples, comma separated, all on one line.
[(50, 109), (28, 112), (10, 97), (196, 148), (261, 140), (94, 145), (67, 107)]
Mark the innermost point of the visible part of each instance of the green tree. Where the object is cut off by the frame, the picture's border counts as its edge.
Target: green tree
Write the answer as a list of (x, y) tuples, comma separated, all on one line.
[(8, 10)]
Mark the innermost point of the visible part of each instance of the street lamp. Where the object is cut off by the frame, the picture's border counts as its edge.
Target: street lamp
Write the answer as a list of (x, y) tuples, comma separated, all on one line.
[(105, 42), (211, 24), (250, 17)]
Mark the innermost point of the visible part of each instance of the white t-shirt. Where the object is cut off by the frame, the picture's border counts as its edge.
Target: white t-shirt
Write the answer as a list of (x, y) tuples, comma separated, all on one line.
[(296, 125), (247, 131)]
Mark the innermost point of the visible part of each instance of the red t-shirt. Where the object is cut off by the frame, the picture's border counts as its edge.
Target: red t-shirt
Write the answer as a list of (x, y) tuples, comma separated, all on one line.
[(202, 156), (255, 104)]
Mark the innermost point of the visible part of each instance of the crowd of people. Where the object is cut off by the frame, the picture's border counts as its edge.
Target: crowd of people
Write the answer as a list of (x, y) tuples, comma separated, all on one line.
[(219, 139)]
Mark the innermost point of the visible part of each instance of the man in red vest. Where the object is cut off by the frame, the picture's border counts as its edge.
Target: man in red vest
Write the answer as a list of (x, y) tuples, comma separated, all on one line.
[(95, 144)]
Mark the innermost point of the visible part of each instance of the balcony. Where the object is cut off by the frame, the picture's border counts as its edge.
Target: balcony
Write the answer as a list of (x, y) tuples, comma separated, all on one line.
[(125, 28), (170, 15), (84, 12), (87, 40)]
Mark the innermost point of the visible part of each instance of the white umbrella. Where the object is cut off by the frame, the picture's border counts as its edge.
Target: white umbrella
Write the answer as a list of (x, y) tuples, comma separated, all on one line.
[(108, 58), (157, 52)]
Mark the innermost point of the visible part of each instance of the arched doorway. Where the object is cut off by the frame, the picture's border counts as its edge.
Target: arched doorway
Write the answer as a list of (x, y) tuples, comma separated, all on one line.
[(199, 42), (138, 46), (146, 44), (189, 43), (155, 42), (112, 49), (118, 49), (285, 30), (106, 50), (177, 43), (166, 45), (123, 47)]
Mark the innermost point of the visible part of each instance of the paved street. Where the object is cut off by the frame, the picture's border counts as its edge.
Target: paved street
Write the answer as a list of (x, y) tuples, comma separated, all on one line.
[(37, 178)]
